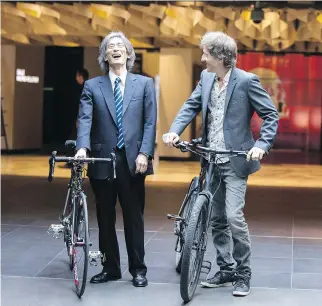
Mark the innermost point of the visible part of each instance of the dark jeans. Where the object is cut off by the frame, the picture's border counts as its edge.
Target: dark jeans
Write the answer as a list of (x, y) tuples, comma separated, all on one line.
[(229, 228)]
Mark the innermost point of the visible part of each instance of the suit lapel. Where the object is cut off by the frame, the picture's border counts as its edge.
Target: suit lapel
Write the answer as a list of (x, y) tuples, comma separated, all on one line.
[(230, 88), (129, 90), (107, 91), (207, 91)]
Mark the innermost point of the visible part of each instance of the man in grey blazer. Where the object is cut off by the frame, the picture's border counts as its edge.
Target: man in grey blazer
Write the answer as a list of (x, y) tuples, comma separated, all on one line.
[(228, 98), (118, 114)]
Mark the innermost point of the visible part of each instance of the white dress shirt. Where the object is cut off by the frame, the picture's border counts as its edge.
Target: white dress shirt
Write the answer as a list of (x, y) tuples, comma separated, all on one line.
[(113, 77)]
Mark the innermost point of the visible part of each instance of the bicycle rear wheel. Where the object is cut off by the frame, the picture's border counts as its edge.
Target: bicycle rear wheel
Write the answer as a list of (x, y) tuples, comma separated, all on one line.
[(193, 251), (185, 213), (81, 243)]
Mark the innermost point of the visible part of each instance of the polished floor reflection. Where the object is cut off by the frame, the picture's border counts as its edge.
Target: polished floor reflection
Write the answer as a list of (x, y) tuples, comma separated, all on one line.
[(285, 224)]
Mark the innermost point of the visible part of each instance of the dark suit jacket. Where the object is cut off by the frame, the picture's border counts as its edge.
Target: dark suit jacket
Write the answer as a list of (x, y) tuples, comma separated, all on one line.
[(97, 126), (245, 95)]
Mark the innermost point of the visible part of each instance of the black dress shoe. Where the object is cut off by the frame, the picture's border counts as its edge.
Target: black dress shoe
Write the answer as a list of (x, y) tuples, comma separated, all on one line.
[(104, 277), (140, 281)]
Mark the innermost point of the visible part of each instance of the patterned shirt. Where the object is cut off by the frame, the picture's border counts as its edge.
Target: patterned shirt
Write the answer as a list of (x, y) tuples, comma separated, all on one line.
[(216, 108)]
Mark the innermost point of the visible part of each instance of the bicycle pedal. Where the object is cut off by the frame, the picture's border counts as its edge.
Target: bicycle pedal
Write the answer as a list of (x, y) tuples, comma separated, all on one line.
[(206, 265), (94, 257), (174, 217), (56, 230), (79, 242)]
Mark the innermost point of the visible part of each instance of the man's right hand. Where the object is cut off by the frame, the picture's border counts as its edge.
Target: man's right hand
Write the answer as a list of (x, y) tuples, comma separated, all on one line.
[(170, 139), (81, 153)]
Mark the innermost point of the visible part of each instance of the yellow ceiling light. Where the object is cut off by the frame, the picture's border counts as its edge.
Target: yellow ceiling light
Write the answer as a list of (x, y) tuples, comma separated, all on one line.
[(99, 10), (171, 12), (33, 10), (136, 43), (319, 18), (245, 15)]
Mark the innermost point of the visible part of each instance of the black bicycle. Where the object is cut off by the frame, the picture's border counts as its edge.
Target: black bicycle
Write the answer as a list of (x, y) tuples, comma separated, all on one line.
[(192, 222), (74, 218), (181, 220)]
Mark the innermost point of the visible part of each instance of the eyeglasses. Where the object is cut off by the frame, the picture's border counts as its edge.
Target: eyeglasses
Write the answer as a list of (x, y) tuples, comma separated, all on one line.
[(112, 46)]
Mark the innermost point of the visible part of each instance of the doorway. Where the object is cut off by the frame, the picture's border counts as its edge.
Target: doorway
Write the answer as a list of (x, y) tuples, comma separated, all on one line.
[(61, 95)]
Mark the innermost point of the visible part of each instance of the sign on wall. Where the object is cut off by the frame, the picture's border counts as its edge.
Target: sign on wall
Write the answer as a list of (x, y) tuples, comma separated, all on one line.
[(23, 78)]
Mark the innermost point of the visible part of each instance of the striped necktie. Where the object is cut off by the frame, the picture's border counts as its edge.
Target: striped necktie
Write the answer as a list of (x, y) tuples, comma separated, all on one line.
[(119, 106)]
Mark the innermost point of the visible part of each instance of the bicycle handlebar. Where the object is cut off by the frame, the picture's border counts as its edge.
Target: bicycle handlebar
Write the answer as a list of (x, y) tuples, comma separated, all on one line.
[(194, 147), (53, 159)]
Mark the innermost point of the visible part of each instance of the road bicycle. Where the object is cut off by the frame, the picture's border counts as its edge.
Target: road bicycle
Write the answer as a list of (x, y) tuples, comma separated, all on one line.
[(192, 222), (73, 226)]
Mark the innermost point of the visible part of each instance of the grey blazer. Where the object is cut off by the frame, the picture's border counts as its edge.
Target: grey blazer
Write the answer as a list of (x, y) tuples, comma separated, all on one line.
[(245, 95), (97, 126)]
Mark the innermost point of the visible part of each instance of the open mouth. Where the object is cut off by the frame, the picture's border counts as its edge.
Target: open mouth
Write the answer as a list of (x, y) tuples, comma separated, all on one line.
[(116, 56)]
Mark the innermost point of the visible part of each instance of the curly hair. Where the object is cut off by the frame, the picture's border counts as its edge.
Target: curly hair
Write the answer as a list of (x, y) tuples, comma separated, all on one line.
[(221, 46), (104, 65)]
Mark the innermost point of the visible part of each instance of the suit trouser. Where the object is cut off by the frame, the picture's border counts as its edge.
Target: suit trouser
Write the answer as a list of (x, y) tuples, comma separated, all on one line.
[(229, 228), (131, 194)]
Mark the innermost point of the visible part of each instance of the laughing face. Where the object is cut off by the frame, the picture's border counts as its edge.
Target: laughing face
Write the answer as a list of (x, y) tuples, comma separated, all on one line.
[(211, 62), (116, 53)]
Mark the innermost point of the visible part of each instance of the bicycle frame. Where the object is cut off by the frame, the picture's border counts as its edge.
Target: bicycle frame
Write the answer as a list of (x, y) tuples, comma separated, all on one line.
[(76, 188)]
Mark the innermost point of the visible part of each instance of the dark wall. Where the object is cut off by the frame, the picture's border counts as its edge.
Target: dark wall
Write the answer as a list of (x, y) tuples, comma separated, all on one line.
[(61, 93), (28, 99)]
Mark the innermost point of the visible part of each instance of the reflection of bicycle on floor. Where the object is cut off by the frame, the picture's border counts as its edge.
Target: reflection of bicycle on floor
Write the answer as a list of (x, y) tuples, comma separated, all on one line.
[(74, 219), (192, 222)]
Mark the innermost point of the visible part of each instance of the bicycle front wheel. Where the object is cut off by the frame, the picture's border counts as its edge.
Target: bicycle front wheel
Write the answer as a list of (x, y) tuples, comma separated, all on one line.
[(193, 251), (67, 221), (190, 200), (81, 243)]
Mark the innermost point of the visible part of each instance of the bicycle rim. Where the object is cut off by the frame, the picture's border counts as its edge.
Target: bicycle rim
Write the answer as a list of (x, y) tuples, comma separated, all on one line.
[(193, 251), (81, 244)]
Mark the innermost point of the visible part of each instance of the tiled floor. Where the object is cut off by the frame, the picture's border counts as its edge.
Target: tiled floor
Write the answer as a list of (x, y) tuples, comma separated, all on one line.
[(285, 224)]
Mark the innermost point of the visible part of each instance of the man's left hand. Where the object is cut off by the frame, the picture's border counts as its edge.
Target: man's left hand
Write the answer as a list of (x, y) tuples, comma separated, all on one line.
[(141, 163), (255, 154)]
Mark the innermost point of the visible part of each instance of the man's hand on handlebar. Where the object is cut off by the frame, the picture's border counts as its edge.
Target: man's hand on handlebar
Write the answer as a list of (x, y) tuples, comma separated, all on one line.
[(170, 139), (81, 153), (255, 154)]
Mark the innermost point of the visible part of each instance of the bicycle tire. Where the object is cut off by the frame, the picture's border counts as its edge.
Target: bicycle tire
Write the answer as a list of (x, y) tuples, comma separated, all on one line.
[(185, 213), (81, 216), (198, 217)]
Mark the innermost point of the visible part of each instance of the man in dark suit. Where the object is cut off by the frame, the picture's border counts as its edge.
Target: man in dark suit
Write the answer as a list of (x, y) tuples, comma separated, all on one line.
[(118, 113), (228, 98)]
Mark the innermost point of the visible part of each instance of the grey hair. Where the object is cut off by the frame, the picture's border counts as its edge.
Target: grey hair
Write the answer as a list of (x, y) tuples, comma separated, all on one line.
[(221, 46), (104, 65)]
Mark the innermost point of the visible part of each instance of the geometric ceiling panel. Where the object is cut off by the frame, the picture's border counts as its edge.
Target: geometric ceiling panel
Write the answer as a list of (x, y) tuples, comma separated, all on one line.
[(161, 24)]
